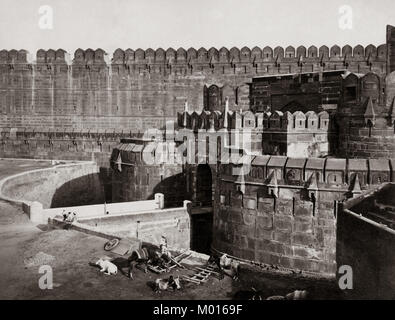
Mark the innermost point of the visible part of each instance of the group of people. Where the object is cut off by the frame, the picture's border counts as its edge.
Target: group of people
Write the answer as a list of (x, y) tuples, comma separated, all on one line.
[(69, 217), (142, 258), (162, 257)]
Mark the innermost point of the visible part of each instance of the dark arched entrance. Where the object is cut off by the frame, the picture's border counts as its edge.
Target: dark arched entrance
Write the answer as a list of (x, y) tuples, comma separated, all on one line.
[(202, 211), (204, 185)]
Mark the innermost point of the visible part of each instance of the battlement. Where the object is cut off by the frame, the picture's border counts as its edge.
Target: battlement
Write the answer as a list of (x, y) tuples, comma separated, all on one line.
[(300, 55), (295, 122), (265, 121), (339, 174), (142, 89)]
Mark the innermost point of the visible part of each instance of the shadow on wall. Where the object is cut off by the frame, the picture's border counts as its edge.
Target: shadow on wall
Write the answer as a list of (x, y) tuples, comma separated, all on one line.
[(174, 190), (85, 190), (66, 185), (369, 251), (105, 175)]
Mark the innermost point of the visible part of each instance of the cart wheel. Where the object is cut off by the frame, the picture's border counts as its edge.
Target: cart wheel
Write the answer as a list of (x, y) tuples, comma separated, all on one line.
[(111, 244)]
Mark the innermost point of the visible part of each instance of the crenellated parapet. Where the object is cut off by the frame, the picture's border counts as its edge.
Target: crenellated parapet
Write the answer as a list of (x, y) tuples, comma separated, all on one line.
[(365, 116), (51, 56), (293, 134), (294, 122), (298, 134), (350, 176), (255, 55), (262, 60), (13, 56), (264, 121), (367, 98), (90, 56), (358, 88)]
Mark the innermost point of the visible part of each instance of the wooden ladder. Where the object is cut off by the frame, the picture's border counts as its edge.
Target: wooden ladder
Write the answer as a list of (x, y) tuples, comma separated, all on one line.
[(202, 275), (174, 263)]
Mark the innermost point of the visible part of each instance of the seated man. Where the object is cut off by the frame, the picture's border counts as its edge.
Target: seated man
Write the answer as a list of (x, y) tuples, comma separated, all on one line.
[(231, 265), (225, 265), (165, 253)]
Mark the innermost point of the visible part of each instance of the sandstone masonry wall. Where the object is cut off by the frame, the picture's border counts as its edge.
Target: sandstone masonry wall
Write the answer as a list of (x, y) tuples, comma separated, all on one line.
[(139, 89)]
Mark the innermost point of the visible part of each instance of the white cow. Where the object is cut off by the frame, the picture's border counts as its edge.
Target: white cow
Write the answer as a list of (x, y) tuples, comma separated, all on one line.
[(107, 267)]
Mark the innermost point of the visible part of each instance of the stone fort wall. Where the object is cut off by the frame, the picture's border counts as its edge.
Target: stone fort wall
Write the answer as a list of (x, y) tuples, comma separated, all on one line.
[(139, 89)]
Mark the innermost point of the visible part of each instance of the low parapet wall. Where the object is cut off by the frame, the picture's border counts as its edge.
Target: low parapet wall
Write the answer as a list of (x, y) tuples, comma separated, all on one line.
[(109, 209), (62, 185), (148, 226)]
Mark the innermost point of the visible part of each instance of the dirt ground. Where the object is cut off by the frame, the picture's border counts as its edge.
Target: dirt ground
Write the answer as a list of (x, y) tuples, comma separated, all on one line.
[(69, 252), (25, 246)]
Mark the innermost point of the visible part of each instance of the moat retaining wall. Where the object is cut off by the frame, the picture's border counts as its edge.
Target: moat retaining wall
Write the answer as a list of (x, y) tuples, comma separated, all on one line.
[(148, 226), (63, 185)]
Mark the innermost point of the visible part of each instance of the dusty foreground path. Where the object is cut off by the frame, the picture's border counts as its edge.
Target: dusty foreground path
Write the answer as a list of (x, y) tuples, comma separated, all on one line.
[(24, 247)]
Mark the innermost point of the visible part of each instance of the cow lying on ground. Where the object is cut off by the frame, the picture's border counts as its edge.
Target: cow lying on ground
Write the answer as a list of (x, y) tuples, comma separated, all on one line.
[(107, 267)]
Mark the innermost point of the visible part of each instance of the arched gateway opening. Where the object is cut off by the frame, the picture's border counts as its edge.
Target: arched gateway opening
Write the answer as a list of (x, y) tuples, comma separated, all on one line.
[(202, 211)]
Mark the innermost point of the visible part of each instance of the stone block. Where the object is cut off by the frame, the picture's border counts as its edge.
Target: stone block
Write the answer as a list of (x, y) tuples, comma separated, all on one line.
[(265, 234), (303, 209), (306, 265), (265, 223), (247, 254), (281, 249), (286, 262), (251, 243), (248, 218), (249, 204), (282, 223), (308, 253), (265, 206), (283, 237), (302, 226), (303, 239)]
